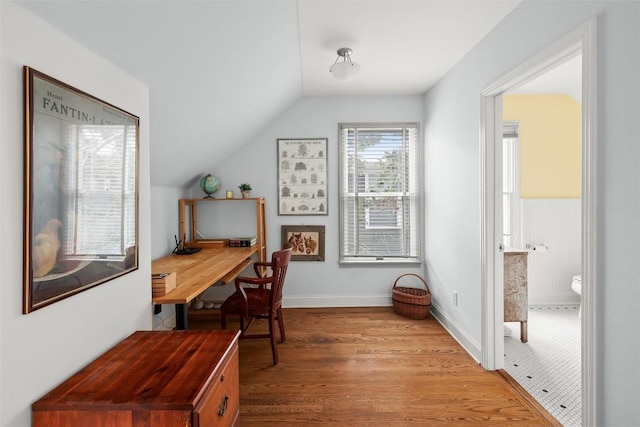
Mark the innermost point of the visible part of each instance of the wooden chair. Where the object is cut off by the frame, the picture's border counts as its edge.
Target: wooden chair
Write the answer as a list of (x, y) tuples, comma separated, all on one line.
[(263, 299)]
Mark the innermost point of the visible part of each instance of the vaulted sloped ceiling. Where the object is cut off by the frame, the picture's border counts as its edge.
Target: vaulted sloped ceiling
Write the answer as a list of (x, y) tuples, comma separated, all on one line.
[(219, 71)]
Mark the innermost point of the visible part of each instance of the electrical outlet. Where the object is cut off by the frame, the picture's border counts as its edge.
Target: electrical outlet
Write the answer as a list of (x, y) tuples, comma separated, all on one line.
[(454, 295)]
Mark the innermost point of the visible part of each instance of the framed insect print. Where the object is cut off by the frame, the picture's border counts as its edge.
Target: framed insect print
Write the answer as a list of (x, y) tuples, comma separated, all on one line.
[(302, 177)]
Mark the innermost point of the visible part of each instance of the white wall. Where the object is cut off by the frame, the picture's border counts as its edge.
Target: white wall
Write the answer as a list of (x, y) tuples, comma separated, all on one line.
[(164, 223), (164, 218), (452, 167), (312, 283), (41, 349)]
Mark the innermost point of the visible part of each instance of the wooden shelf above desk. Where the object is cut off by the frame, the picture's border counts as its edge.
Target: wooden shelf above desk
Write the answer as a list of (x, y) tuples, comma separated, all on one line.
[(188, 219)]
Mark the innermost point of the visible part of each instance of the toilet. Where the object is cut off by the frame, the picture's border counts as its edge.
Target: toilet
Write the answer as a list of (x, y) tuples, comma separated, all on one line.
[(576, 285)]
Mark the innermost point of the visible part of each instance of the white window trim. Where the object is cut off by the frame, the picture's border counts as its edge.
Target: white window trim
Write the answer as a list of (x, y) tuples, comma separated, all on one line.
[(382, 260)]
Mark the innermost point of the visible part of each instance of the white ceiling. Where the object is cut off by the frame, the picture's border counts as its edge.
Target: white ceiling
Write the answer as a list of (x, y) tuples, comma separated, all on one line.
[(220, 71), (403, 47)]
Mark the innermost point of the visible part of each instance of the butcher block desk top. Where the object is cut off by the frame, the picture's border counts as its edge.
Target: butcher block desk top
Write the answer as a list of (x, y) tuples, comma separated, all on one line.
[(197, 272)]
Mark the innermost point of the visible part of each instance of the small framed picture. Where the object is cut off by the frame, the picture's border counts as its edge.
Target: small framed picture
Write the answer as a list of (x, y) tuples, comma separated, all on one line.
[(302, 176), (307, 241)]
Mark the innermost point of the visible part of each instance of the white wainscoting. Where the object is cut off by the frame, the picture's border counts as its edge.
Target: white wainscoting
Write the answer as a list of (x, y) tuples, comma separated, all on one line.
[(556, 224)]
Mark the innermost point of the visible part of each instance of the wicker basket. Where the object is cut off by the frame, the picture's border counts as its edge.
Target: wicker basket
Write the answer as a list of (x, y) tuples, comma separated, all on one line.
[(413, 303)]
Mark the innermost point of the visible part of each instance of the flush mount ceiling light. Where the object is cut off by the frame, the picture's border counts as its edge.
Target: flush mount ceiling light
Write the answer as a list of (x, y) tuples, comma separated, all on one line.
[(344, 70)]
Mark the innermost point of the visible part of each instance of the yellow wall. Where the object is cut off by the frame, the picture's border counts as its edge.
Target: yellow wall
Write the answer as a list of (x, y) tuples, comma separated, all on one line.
[(550, 144)]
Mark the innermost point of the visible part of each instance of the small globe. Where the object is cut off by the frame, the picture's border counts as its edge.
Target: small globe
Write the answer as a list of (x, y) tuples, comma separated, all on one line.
[(209, 184)]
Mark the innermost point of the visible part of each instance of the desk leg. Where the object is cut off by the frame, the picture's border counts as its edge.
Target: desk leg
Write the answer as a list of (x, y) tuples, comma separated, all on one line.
[(181, 317)]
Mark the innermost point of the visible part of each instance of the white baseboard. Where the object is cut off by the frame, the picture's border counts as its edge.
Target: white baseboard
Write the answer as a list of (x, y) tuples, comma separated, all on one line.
[(468, 343), (337, 301)]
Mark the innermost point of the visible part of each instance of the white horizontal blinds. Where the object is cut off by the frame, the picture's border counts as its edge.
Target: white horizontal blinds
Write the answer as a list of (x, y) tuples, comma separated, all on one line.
[(507, 188), (509, 163), (348, 184), (130, 194), (379, 189), (100, 219)]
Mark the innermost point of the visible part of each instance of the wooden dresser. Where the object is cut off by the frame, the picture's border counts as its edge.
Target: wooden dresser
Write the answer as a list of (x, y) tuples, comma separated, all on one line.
[(152, 378)]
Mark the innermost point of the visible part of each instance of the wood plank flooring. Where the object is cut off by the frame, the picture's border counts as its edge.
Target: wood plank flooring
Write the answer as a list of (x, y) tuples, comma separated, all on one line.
[(369, 367)]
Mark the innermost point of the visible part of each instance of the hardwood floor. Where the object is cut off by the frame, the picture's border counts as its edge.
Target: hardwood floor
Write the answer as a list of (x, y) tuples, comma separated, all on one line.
[(369, 366)]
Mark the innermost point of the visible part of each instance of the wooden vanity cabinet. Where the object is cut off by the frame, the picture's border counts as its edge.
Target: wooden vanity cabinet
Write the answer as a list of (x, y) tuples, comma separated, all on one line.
[(516, 296), (152, 378)]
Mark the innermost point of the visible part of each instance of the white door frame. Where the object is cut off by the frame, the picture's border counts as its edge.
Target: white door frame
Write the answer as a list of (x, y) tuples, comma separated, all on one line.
[(582, 40)]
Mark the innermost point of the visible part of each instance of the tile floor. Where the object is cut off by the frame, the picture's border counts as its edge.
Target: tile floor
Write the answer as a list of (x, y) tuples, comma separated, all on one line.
[(548, 365)]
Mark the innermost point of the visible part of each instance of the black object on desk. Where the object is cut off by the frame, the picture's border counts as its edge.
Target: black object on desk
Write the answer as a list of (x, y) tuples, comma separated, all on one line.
[(186, 251), (180, 249)]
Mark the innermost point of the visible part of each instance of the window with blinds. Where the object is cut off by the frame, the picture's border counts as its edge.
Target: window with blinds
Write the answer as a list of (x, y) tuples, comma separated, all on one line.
[(100, 202), (379, 189), (510, 185)]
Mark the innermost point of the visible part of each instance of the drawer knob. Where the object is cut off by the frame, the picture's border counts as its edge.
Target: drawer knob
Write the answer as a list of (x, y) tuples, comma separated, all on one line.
[(222, 377), (223, 406)]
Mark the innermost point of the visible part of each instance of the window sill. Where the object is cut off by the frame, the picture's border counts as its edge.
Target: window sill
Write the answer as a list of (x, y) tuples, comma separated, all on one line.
[(355, 261)]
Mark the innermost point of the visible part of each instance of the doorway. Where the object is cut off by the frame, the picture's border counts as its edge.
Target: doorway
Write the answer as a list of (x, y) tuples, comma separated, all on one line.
[(541, 227), (579, 42)]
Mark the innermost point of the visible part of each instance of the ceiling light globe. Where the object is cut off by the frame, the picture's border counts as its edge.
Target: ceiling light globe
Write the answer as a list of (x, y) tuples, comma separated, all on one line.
[(345, 70)]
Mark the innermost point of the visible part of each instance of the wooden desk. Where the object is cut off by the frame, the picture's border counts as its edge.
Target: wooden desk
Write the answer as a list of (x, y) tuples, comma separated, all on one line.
[(152, 378), (198, 272)]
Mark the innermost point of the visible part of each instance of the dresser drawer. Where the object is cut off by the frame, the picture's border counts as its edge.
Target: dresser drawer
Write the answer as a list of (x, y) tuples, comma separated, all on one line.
[(220, 404)]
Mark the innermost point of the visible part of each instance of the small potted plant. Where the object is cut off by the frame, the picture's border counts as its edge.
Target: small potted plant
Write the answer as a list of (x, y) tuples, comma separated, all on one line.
[(245, 189)]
